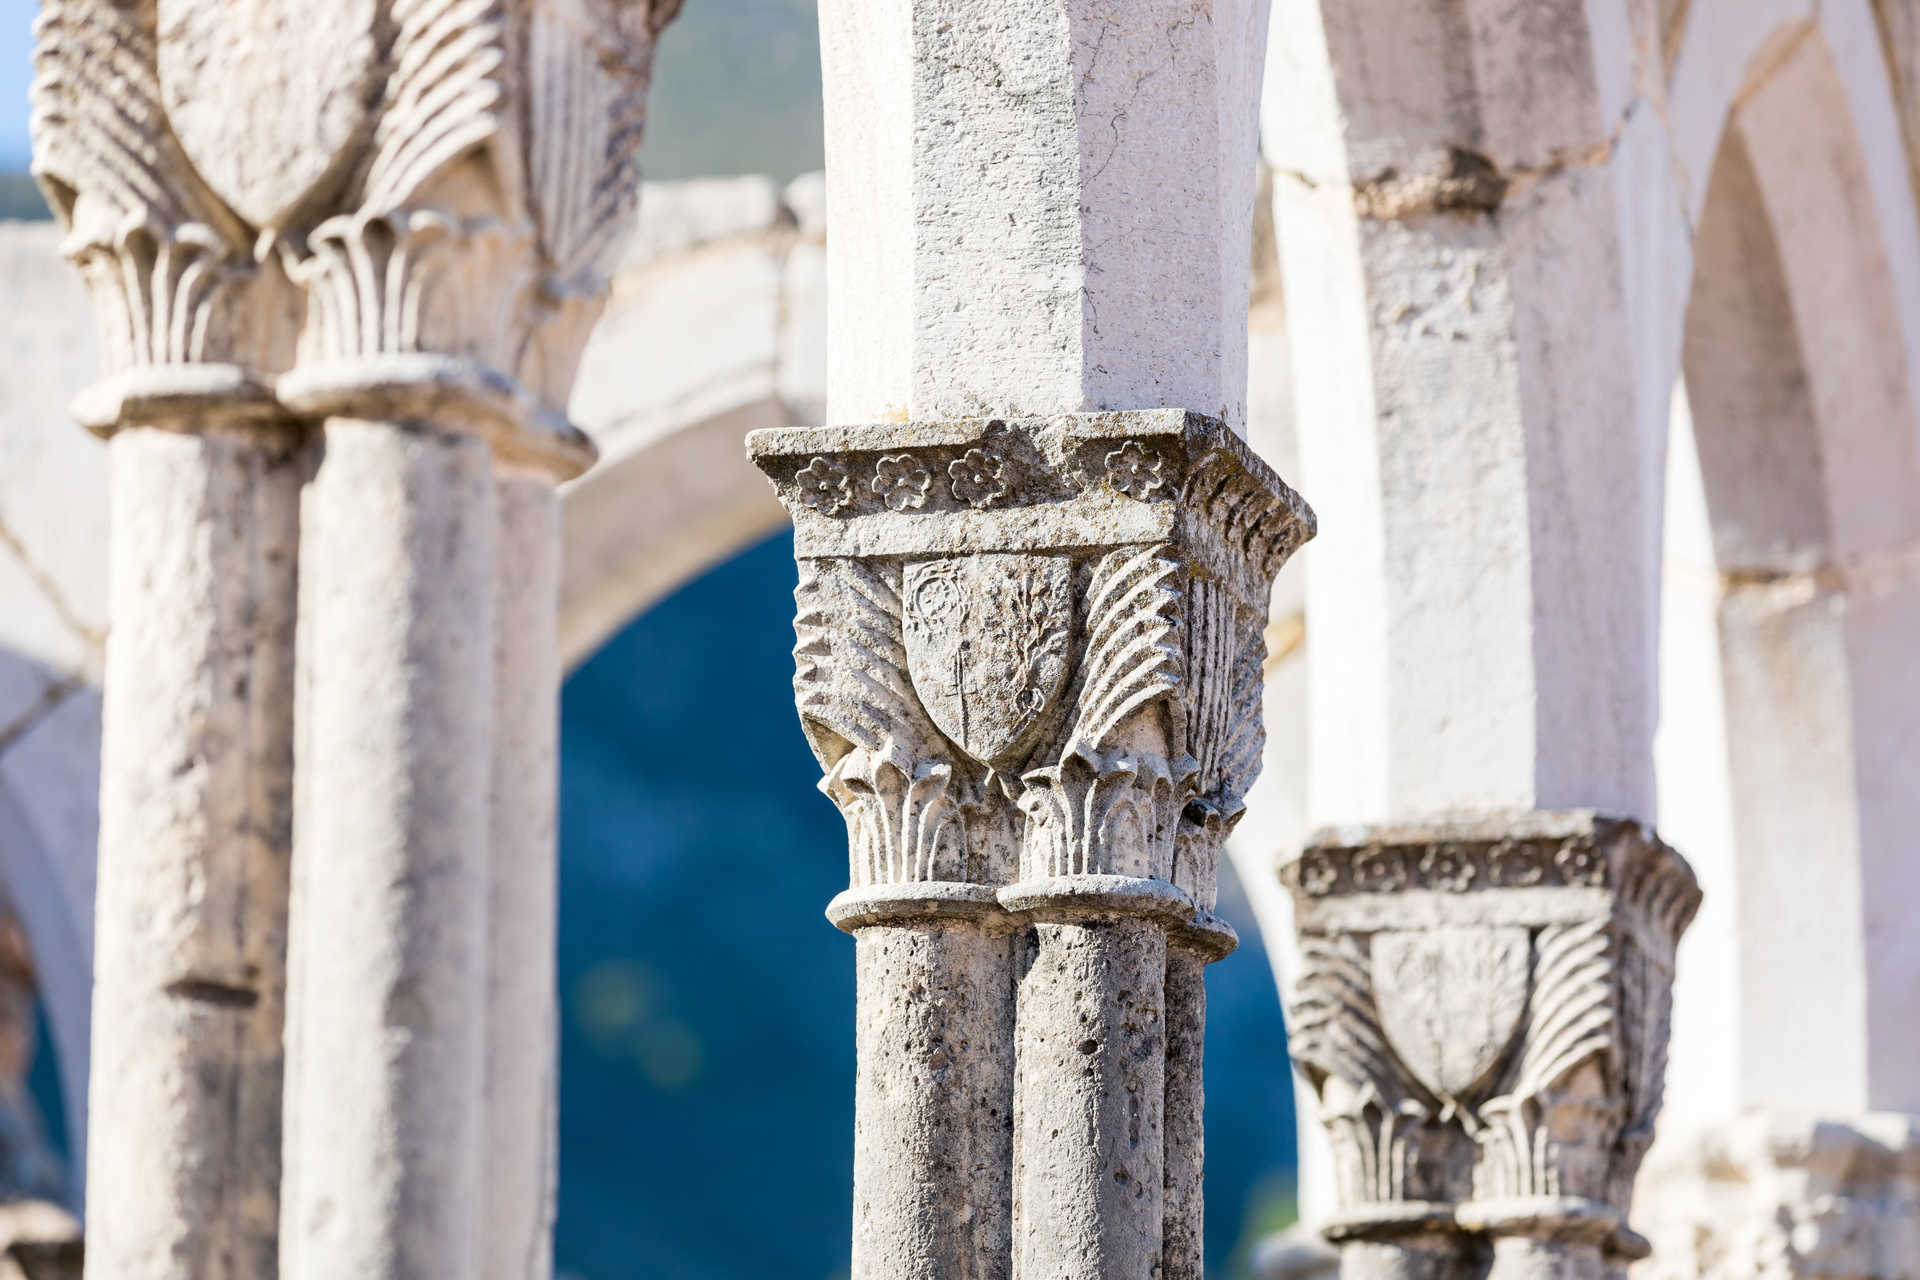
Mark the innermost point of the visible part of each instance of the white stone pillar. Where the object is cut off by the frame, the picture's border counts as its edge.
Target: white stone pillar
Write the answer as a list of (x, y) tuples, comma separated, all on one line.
[(196, 781), (390, 905), (447, 183), (1041, 207), (521, 1159), (1483, 419), (450, 289)]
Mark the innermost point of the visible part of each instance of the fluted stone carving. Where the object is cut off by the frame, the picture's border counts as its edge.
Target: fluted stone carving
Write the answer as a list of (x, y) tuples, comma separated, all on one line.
[(1028, 660), (396, 218), (1483, 1010)]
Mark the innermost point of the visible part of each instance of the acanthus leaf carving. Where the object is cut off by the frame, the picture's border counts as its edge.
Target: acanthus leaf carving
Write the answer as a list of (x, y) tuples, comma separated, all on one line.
[(904, 800), (1091, 655), (1110, 803), (1529, 1007), (166, 264)]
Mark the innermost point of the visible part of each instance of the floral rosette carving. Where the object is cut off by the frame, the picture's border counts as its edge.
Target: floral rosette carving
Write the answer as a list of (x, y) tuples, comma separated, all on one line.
[(1580, 862), (1447, 867), (824, 486), (1515, 865), (901, 482), (1380, 870), (1137, 471), (1319, 874), (979, 478)]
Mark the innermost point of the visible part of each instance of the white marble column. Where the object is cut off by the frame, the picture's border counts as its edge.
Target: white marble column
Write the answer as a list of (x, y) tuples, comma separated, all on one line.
[(196, 780)]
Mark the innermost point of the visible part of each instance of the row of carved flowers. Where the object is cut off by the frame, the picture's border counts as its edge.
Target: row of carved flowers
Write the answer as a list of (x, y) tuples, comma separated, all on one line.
[(1453, 868), (977, 478)]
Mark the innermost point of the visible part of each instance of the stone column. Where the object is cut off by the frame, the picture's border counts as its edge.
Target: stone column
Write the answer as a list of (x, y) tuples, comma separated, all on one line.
[(189, 971), (451, 282), (447, 182), (1483, 1009), (1049, 627), (1191, 947), (1005, 248)]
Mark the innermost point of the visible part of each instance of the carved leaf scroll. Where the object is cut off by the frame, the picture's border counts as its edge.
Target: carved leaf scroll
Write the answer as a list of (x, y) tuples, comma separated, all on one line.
[(446, 97), (1134, 655), (884, 765), (162, 257)]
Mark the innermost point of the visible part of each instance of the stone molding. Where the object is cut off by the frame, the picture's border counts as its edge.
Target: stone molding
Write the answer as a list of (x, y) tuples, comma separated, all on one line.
[(1483, 1010), (1774, 1194), (1029, 649)]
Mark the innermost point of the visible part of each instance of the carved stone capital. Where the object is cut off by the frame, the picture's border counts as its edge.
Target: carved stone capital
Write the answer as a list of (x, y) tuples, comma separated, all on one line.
[(1029, 649), (1483, 1011), (446, 182), (1781, 1195), (190, 323)]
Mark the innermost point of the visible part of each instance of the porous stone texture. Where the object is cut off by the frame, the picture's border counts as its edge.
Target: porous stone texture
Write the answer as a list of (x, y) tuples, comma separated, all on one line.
[(1005, 238), (196, 807), (521, 1089), (1777, 1194), (1029, 662), (405, 237), (387, 1017), (1091, 1139), (1482, 1009), (934, 1102)]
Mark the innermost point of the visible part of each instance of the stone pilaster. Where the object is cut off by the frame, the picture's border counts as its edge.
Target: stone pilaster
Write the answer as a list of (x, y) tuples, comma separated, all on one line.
[(196, 780), (1483, 1011), (1780, 1195), (1029, 659)]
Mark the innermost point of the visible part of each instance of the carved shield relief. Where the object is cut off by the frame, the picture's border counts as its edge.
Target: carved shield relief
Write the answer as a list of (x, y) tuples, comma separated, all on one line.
[(987, 641), (265, 96), (1450, 1001)]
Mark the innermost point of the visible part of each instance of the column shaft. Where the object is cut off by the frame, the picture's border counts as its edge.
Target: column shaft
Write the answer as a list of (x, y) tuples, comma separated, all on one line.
[(1185, 1253), (390, 905), (522, 1134), (1525, 1258), (933, 1110), (196, 801), (1424, 1257), (1092, 1093)]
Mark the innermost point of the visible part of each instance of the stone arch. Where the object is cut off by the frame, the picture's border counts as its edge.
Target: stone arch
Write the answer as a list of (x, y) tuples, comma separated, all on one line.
[(1789, 697)]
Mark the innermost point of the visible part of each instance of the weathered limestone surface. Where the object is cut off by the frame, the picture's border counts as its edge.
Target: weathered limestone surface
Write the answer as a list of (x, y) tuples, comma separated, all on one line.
[(197, 807), (432, 194), (934, 1100), (1776, 1194), (521, 1159), (388, 1013), (196, 772), (1482, 1009), (1029, 661)]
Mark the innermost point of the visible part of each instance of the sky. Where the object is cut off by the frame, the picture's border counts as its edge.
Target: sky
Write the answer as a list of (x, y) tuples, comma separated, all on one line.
[(736, 89), (16, 72)]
